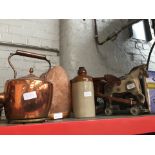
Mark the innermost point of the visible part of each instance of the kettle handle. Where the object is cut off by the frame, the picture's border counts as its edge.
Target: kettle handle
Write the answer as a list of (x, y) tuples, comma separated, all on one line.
[(27, 54)]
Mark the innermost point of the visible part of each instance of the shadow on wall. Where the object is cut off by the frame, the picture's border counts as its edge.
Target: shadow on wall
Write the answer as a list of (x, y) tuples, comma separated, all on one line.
[(114, 53), (78, 47)]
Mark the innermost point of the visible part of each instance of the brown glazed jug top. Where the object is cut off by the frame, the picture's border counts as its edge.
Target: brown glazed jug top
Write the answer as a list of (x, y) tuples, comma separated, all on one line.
[(82, 75)]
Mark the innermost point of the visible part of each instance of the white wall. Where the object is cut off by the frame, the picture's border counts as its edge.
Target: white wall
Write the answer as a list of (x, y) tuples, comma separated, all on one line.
[(40, 33), (78, 48)]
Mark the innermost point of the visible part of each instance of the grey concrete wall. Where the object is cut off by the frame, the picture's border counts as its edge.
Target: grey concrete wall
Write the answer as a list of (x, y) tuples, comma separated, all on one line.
[(40, 33), (78, 48)]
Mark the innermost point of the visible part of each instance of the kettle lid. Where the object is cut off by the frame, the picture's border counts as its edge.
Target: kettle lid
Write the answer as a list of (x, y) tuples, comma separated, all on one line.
[(30, 76)]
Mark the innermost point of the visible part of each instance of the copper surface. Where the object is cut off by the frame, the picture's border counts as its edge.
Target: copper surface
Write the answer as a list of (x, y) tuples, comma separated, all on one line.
[(16, 108), (2, 97), (27, 98), (61, 101)]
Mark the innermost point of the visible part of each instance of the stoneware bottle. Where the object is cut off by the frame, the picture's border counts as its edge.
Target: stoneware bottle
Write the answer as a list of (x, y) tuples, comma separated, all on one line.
[(83, 95)]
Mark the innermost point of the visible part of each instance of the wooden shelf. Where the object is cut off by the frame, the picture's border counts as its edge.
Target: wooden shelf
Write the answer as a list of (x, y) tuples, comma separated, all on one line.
[(120, 125)]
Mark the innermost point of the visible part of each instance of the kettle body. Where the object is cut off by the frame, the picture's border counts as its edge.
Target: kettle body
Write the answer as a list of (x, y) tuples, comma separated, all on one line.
[(83, 95), (27, 99)]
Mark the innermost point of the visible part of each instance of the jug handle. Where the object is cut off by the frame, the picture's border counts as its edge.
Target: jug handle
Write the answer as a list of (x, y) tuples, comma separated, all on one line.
[(27, 54)]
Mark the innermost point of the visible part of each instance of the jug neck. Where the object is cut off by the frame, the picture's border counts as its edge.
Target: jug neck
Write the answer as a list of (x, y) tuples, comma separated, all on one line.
[(82, 71)]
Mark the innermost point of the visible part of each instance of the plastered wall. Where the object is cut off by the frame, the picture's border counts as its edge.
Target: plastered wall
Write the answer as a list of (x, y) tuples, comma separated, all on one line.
[(78, 48)]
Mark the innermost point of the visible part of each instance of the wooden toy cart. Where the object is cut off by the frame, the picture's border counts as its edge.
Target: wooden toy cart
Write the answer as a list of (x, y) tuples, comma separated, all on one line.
[(114, 104)]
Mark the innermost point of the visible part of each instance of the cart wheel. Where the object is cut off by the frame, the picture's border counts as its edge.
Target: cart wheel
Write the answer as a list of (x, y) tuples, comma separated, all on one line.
[(108, 111), (140, 107), (135, 110)]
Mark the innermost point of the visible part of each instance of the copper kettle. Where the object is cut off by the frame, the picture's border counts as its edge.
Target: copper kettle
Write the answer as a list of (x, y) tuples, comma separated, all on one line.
[(27, 99)]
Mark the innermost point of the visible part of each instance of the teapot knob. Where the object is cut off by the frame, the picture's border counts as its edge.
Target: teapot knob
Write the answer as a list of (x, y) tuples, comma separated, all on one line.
[(31, 70)]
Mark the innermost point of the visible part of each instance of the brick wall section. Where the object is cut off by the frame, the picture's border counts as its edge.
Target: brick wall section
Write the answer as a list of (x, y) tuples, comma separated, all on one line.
[(41, 33), (78, 48)]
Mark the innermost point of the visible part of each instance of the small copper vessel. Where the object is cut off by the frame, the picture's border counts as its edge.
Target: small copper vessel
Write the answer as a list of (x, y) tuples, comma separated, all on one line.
[(27, 99)]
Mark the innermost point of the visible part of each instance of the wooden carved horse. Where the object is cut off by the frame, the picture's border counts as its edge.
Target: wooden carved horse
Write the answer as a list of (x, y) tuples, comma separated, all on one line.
[(130, 83)]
